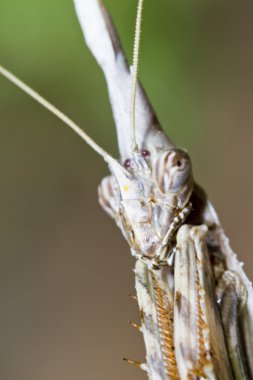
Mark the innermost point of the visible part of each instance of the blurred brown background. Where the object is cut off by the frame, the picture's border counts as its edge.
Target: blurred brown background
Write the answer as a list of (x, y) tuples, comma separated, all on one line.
[(65, 270)]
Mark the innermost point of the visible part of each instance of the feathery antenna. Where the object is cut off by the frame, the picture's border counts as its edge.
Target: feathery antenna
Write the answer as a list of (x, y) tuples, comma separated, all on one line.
[(135, 75), (7, 74)]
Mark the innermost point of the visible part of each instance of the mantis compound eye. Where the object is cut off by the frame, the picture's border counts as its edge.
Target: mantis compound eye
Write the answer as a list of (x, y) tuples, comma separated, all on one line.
[(145, 153), (173, 170), (128, 164)]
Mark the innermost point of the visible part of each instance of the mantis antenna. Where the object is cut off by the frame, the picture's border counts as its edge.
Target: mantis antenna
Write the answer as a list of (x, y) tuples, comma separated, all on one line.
[(7, 74), (134, 70)]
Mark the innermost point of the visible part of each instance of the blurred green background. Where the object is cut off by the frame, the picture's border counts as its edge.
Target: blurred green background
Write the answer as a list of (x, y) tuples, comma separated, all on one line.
[(65, 270)]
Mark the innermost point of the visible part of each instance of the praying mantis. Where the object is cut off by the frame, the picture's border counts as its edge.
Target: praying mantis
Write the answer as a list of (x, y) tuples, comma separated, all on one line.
[(194, 298)]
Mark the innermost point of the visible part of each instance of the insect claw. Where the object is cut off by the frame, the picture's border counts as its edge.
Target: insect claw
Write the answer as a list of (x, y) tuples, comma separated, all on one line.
[(135, 325), (139, 365)]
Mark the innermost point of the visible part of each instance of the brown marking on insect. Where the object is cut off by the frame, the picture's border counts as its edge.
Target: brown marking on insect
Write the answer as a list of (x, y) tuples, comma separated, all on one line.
[(178, 297), (141, 315), (153, 200)]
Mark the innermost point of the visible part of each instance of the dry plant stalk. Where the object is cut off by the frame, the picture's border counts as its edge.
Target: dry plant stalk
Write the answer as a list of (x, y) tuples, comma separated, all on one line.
[(195, 301)]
